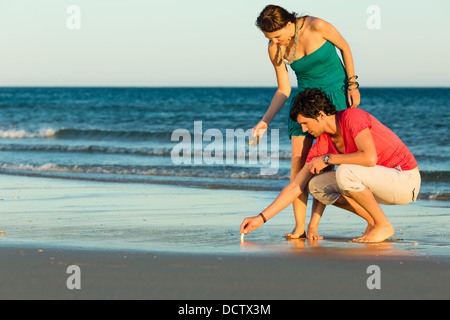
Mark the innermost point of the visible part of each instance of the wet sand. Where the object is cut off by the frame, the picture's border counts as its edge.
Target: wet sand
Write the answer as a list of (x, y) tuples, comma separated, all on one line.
[(27, 273), (138, 241)]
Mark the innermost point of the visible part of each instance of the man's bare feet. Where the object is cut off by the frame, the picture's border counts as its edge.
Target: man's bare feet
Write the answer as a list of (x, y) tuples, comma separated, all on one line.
[(297, 233), (313, 234), (377, 234), (368, 229)]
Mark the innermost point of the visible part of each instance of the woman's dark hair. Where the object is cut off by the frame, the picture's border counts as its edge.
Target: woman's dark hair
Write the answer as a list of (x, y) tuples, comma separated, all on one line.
[(274, 18), (309, 103)]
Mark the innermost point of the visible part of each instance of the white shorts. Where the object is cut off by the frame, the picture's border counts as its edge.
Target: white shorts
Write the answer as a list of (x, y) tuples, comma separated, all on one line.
[(389, 185)]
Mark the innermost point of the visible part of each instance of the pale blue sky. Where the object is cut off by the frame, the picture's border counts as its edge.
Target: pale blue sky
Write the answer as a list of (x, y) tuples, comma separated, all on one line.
[(209, 42)]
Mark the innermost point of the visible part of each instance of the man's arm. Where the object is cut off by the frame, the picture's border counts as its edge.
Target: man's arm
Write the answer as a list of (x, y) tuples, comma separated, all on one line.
[(284, 199), (365, 156)]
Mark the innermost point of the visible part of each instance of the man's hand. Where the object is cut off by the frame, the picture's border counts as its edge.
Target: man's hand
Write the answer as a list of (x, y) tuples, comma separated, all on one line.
[(317, 165), (250, 224)]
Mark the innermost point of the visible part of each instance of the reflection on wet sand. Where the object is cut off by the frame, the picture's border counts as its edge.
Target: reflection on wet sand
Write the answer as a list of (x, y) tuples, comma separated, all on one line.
[(333, 246)]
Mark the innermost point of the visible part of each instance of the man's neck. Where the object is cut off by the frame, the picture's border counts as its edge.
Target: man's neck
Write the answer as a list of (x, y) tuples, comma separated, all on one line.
[(332, 126)]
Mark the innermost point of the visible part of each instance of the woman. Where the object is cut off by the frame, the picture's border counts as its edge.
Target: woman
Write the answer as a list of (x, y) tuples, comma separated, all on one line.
[(309, 45)]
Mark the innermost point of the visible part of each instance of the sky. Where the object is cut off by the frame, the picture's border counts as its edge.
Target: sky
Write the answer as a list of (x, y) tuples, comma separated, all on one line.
[(203, 43)]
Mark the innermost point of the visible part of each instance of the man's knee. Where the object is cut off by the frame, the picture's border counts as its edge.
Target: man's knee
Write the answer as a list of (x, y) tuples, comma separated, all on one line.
[(315, 184), (323, 187), (348, 178)]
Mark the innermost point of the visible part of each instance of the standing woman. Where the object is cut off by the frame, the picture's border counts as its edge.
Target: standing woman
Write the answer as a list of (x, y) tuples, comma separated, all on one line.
[(308, 44)]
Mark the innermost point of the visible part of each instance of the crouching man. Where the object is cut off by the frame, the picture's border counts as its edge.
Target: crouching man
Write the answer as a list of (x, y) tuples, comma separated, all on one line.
[(374, 166)]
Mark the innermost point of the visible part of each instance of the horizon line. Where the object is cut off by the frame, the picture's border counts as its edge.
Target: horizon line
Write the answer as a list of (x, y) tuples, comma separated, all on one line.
[(211, 87)]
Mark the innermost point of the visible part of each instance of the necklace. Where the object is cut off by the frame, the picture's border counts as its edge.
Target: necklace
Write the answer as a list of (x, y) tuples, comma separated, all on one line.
[(296, 36)]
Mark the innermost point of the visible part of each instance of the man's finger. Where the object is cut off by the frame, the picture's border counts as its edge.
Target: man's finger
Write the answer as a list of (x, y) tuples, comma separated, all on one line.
[(243, 225)]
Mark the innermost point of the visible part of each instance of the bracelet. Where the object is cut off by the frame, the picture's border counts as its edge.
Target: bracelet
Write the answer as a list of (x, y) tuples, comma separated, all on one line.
[(357, 86), (264, 218), (350, 83)]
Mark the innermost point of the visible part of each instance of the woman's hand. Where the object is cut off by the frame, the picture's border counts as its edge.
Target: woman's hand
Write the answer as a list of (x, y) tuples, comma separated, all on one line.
[(259, 129), (353, 97)]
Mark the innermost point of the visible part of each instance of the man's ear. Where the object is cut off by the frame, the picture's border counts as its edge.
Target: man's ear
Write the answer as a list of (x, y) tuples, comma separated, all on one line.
[(322, 115)]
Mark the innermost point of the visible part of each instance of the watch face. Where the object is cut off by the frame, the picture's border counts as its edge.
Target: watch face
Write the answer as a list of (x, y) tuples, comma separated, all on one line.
[(326, 158)]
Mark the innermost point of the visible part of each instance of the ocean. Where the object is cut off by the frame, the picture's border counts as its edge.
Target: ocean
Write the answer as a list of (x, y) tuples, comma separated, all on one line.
[(194, 137)]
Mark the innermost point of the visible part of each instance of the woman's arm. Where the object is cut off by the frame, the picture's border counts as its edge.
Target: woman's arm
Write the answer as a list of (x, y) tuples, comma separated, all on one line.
[(282, 93), (330, 33)]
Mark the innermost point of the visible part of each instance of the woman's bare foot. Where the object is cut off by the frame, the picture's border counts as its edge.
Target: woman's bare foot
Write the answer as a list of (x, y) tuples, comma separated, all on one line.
[(377, 234), (297, 233)]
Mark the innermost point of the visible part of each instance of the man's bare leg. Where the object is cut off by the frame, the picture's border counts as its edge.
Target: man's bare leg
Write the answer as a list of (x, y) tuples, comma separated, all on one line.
[(351, 205), (382, 228)]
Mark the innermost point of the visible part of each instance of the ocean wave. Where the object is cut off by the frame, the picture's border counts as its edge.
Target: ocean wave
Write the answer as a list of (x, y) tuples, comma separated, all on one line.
[(157, 151), (189, 170), (88, 137), (85, 134), (99, 134), (226, 172), (240, 181), (437, 176), (23, 134), (440, 196), (87, 149), (217, 177)]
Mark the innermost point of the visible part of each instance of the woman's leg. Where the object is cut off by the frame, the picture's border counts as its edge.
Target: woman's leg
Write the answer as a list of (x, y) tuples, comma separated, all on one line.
[(300, 149)]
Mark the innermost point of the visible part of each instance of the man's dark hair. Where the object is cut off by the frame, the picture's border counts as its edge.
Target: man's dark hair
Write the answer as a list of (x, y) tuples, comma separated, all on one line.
[(309, 103)]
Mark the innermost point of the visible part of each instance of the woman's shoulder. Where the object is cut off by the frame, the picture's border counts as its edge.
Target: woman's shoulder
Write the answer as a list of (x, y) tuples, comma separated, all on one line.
[(314, 23)]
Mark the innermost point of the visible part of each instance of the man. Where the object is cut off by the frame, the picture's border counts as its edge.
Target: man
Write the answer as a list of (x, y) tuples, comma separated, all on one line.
[(374, 166)]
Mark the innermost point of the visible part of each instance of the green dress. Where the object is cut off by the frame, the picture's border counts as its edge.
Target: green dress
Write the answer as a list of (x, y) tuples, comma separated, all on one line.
[(321, 69)]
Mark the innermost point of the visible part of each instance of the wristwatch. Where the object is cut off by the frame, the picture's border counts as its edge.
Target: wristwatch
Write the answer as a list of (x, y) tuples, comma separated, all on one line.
[(326, 159)]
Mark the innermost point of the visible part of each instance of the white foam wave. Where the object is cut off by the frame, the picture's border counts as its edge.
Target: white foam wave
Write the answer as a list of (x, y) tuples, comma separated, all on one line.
[(198, 172), (23, 134)]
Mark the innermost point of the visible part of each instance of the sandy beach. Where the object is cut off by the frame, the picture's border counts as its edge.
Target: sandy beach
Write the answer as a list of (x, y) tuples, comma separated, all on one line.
[(160, 242)]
